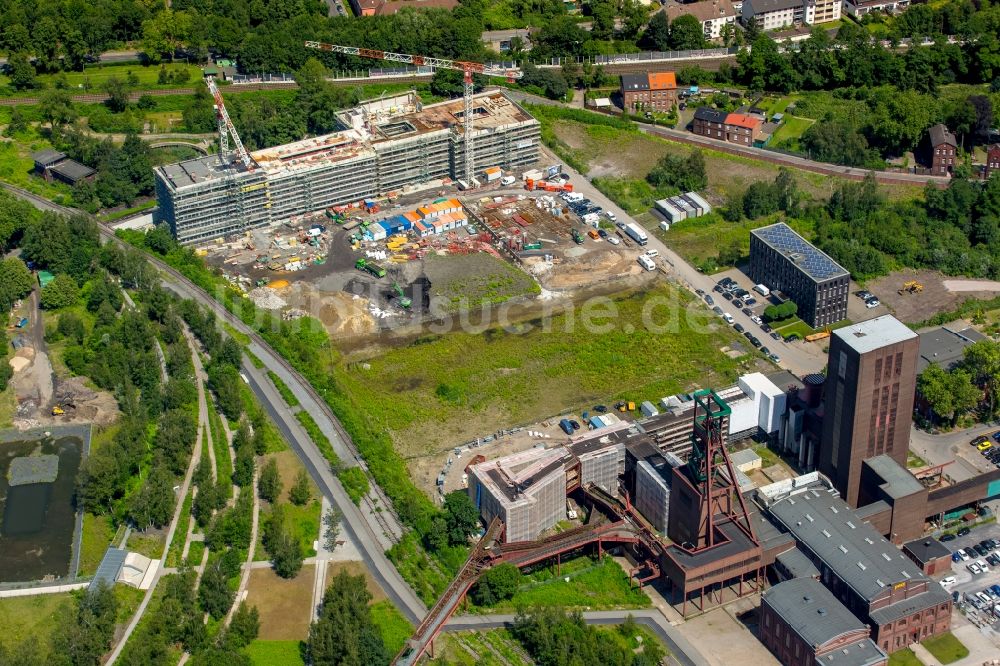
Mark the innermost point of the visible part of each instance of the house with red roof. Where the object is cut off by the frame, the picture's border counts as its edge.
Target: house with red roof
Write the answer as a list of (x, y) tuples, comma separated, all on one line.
[(743, 128)]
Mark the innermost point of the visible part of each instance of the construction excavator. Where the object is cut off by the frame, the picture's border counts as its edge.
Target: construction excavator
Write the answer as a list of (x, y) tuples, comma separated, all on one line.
[(404, 300), (911, 287)]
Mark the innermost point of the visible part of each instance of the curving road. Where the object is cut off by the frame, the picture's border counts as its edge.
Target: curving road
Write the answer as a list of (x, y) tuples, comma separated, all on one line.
[(355, 524)]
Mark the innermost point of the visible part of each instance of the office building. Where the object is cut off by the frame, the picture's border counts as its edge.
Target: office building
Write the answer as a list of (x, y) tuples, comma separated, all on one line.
[(787, 263), (384, 146), (870, 387), (803, 624)]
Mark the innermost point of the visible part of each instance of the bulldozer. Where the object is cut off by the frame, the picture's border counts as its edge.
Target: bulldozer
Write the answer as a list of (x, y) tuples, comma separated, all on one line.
[(911, 287), (404, 300)]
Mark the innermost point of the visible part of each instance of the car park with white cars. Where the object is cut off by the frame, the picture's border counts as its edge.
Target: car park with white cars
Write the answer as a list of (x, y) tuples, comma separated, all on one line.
[(974, 581)]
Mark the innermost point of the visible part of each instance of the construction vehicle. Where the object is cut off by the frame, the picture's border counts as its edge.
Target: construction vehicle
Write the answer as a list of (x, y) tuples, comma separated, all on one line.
[(533, 246), (263, 282), (911, 287), (813, 337), (577, 236), (623, 406), (467, 68), (404, 300), (367, 266), (58, 411)]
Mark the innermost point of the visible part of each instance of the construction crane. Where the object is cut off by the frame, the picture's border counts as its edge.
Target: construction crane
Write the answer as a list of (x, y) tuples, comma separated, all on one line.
[(467, 68), (226, 128)]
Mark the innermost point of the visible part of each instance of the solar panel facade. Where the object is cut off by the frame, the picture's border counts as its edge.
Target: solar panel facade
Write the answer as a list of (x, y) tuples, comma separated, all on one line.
[(786, 262)]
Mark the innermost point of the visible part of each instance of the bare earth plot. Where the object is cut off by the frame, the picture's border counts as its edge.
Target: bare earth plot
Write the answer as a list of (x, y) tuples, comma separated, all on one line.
[(941, 293), (283, 604)]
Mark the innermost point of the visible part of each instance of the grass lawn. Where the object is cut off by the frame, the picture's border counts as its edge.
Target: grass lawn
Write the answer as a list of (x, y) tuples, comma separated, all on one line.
[(798, 327), (16, 167), (96, 75), (439, 389), (96, 536), (789, 132), (304, 521), (283, 604), (177, 545), (395, 628), (150, 545), (592, 585), (946, 648), (286, 393), (914, 461), (904, 657), (266, 653), (8, 403), (23, 617), (701, 238)]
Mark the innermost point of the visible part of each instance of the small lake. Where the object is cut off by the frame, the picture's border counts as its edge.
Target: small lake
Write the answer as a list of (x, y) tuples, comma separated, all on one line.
[(38, 519)]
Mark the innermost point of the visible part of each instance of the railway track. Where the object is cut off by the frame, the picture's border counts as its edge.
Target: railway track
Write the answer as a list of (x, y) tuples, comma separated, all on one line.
[(390, 523)]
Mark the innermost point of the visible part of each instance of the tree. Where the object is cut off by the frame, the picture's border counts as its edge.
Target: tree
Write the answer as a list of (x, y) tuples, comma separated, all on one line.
[(344, 633), (497, 584), (243, 628), (283, 547), (299, 493), (214, 594), (82, 637), (118, 94), (153, 505), (779, 312), (56, 108), (656, 37), (22, 72), (982, 360), (16, 282), (686, 34), (932, 384), (684, 173), (461, 517), (18, 123), (269, 483), (61, 292)]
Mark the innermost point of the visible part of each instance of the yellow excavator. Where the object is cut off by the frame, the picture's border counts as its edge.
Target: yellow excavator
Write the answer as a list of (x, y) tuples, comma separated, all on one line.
[(911, 287)]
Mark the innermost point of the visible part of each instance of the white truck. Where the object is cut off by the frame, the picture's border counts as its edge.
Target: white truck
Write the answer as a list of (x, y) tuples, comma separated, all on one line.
[(762, 290), (507, 180), (636, 233)]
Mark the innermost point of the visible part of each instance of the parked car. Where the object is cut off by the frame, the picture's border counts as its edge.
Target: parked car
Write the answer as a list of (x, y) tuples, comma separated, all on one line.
[(955, 557), (985, 568), (717, 310), (700, 292), (864, 294), (709, 299), (979, 440), (575, 424), (726, 295), (750, 300), (765, 328), (947, 537), (996, 436), (738, 327), (757, 320), (964, 531), (613, 240), (717, 289), (602, 233), (964, 555), (775, 358), (738, 303), (775, 335), (980, 551), (993, 560), (947, 581), (748, 312), (872, 303), (974, 568)]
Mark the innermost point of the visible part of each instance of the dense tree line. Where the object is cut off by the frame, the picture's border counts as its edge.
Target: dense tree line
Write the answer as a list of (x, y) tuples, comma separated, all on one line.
[(553, 638), (344, 634)]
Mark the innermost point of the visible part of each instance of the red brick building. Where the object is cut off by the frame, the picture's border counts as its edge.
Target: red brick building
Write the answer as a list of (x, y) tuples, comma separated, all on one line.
[(649, 91), (742, 128), (943, 150), (801, 622), (932, 556), (992, 159), (709, 122)]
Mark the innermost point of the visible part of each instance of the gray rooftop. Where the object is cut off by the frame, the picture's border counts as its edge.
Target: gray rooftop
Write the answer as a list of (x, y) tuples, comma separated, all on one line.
[(743, 457), (48, 156), (633, 82), (73, 170), (813, 262), (862, 653), (764, 6), (824, 523), (898, 480), (708, 114), (939, 135), (927, 549), (874, 334), (797, 564), (944, 346), (111, 564), (811, 611), (934, 595)]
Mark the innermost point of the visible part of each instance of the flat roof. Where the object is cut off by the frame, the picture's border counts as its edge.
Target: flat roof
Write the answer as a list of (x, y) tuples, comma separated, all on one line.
[(743, 457), (811, 611), (798, 564), (850, 547), (926, 549), (813, 262), (944, 346), (898, 480), (874, 334), (934, 595), (513, 476), (73, 170)]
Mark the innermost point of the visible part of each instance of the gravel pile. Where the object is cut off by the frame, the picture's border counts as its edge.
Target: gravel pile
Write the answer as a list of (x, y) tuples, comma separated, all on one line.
[(267, 299)]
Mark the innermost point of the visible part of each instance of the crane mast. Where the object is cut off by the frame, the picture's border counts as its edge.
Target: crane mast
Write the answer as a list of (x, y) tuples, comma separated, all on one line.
[(467, 69), (227, 129)]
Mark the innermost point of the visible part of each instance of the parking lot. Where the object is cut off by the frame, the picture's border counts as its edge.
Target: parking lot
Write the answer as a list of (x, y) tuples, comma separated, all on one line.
[(967, 583)]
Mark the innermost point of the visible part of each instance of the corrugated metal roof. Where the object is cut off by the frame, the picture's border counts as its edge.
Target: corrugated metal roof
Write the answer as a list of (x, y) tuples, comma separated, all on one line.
[(111, 564), (811, 610)]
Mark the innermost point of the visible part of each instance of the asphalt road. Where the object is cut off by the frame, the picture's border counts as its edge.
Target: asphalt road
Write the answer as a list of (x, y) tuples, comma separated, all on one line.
[(354, 523), (953, 447), (681, 651)]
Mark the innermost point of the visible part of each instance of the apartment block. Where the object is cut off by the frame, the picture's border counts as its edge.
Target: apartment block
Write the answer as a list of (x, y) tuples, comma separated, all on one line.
[(649, 91), (383, 146)]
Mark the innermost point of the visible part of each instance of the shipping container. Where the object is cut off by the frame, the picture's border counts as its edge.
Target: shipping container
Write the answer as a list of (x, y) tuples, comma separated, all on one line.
[(648, 409), (492, 174)]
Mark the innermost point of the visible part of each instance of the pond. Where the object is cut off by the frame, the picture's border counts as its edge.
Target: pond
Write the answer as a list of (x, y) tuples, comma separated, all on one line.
[(38, 518)]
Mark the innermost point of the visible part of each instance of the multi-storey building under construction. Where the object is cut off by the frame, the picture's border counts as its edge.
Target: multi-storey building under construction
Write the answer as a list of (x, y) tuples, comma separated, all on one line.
[(382, 147)]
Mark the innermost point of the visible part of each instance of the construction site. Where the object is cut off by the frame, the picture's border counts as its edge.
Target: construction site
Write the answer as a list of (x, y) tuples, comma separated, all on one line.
[(383, 148)]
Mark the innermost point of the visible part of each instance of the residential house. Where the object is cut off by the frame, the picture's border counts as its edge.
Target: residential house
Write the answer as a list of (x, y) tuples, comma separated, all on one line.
[(858, 8), (53, 165), (742, 128), (709, 122), (943, 150), (773, 14), (993, 159), (713, 15), (500, 40), (650, 91), (822, 11), (386, 7)]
